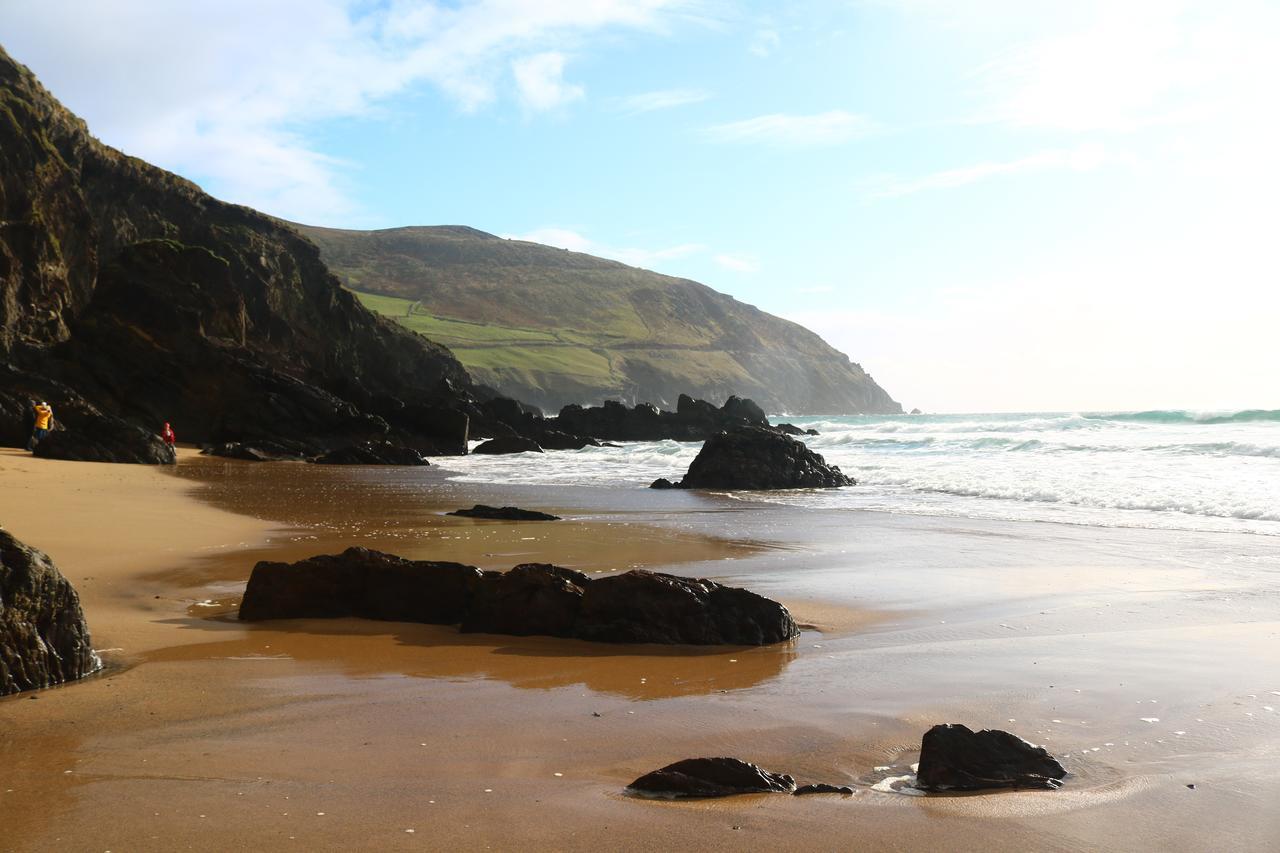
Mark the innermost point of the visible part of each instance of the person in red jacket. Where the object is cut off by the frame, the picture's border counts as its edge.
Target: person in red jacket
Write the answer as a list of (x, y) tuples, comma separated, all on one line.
[(167, 434)]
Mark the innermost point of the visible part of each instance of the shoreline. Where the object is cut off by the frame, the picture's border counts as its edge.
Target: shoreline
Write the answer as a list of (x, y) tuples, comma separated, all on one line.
[(928, 621)]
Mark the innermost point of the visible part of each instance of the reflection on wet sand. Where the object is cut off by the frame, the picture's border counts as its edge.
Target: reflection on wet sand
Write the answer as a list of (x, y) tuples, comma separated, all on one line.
[(362, 649)]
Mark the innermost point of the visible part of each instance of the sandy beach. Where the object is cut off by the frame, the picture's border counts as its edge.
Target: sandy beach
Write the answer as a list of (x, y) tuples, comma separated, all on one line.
[(1145, 659)]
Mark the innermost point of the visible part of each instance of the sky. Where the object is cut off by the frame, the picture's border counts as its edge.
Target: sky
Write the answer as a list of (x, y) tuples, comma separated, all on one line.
[(991, 205)]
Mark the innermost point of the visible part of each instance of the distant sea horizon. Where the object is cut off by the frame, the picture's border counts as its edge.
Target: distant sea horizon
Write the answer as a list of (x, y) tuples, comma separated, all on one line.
[(1179, 469)]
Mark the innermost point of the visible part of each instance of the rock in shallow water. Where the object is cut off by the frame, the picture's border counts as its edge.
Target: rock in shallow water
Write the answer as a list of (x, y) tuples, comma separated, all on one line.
[(504, 513), (956, 758), (711, 777), (650, 607), (633, 607), (372, 453), (43, 636), (757, 458), (822, 788), (533, 598), (364, 583)]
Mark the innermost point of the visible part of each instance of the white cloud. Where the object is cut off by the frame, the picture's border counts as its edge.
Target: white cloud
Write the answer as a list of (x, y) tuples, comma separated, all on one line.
[(564, 238), (737, 263), (764, 42), (829, 128), (191, 87), (1082, 158), (540, 81), (664, 99)]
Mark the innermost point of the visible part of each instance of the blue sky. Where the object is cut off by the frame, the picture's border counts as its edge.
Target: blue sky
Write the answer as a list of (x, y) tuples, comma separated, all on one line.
[(991, 205)]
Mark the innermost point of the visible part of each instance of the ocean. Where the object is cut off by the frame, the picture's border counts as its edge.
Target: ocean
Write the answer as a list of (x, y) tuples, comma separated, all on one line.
[(1181, 470)]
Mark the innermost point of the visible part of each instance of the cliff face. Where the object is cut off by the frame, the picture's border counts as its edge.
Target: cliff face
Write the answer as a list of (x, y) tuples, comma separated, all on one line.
[(555, 327), (125, 289)]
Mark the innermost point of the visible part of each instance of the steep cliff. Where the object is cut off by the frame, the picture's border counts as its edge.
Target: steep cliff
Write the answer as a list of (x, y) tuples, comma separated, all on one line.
[(125, 291), (555, 327)]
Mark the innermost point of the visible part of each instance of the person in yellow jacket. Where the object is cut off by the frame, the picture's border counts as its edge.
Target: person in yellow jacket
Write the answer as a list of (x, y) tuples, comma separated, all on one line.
[(44, 423)]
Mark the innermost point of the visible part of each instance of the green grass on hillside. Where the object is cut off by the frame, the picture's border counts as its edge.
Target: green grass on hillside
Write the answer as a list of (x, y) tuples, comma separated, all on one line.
[(514, 352)]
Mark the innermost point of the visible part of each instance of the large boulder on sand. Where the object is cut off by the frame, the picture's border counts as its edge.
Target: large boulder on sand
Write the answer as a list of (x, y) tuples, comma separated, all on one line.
[(104, 438), (43, 636), (758, 458), (650, 607), (711, 777), (956, 758), (533, 598), (364, 583)]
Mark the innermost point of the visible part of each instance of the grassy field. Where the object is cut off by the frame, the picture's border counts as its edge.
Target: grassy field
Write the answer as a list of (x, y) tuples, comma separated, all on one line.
[(490, 351)]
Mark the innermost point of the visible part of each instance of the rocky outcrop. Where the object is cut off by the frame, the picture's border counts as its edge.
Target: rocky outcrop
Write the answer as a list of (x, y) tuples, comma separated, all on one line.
[(650, 607), (504, 513), (508, 444), (633, 607), (260, 451), (956, 758), (125, 288), (693, 420), (711, 777), (371, 453), (364, 583), (43, 636), (533, 598), (756, 458), (103, 438)]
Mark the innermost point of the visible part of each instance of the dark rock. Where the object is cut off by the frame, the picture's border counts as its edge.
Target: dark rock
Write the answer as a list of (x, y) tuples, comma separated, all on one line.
[(43, 636), (663, 483), (363, 583), (693, 420), (955, 758), (103, 438), (736, 408), (554, 439), (371, 453), (788, 429), (756, 458), (504, 513), (915, 412), (509, 444), (822, 788), (259, 451), (711, 777), (649, 607), (812, 432), (533, 598)]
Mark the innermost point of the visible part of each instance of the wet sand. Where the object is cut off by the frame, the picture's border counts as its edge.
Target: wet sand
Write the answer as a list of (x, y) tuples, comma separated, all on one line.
[(205, 734)]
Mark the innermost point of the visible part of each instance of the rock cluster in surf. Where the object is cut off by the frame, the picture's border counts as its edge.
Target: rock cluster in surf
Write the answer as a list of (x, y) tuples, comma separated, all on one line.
[(753, 457), (633, 607), (952, 758)]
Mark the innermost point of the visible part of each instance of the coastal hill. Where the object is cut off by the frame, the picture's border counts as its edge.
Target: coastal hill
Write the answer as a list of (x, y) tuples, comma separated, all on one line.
[(127, 293), (553, 327)]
